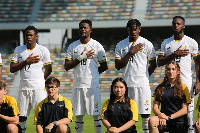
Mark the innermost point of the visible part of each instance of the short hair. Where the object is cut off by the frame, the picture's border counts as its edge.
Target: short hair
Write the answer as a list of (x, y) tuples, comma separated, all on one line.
[(132, 22), (86, 21), (31, 28), (2, 85), (52, 80), (180, 17)]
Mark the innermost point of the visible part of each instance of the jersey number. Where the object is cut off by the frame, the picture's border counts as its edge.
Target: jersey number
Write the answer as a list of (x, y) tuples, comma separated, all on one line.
[(177, 59), (27, 67), (83, 62), (131, 59)]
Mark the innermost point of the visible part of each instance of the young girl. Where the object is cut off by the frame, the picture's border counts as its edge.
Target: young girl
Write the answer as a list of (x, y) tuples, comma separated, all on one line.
[(174, 98), (119, 113)]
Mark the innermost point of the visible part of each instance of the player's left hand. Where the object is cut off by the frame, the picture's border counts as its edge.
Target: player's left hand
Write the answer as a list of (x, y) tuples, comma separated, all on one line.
[(196, 88), (49, 127)]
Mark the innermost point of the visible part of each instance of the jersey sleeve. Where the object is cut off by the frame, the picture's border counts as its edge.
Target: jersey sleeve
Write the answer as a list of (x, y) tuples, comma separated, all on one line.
[(194, 48), (68, 106), (162, 50), (69, 53), (46, 59), (134, 109), (118, 54), (104, 108), (0, 60), (101, 54), (13, 104), (38, 114), (198, 103), (187, 94), (151, 52), (15, 58)]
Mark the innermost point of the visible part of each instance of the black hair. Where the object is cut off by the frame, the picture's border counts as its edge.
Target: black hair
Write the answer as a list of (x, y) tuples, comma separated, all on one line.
[(132, 22), (180, 17), (52, 80), (31, 28), (112, 95), (2, 85), (86, 21)]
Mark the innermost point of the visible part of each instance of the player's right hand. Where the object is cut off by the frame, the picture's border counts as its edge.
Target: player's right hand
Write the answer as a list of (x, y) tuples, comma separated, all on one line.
[(135, 48), (33, 59), (181, 52), (90, 54)]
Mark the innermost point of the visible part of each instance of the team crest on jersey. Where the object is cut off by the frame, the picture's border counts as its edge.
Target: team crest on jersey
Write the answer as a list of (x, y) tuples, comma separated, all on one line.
[(146, 103), (97, 105)]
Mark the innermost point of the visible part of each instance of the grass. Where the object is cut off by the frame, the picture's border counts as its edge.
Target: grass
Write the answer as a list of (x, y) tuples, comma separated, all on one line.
[(88, 120)]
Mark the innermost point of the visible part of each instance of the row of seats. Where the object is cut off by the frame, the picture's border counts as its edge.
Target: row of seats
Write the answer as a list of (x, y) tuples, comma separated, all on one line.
[(15, 10), (52, 10), (169, 8)]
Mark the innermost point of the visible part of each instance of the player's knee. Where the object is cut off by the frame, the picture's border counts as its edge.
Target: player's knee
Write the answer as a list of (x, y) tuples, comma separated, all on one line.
[(12, 128), (62, 128), (22, 118), (153, 121), (145, 115)]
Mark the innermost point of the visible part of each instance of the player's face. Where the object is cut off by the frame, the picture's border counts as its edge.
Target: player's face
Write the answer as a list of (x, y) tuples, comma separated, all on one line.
[(119, 90), (51, 89), (133, 32), (84, 30), (172, 72), (178, 26), (30, 37), (2, 93)]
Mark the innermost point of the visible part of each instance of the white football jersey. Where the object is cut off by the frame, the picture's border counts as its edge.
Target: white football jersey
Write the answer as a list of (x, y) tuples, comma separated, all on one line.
[(32, 76), (0, 60), (135, 73), (170, 45), (86, 73)]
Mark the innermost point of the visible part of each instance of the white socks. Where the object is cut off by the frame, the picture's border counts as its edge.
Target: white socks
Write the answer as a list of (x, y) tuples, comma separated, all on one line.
[(79, 124), (145, 125), (23, 126), (97, 124), (190, 122)]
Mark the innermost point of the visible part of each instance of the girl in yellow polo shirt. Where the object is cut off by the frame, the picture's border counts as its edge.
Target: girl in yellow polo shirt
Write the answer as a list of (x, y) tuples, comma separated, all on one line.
[(119, 113)]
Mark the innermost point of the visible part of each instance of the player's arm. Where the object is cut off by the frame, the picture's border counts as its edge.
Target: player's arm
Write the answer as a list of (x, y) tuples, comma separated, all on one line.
[(47, 71), (14, 67), (197, 83), (39, 129), (0, 72), (106, 123), (69, 63), (124, 127), (64, 121), (155, 108), (11, 120), (120, 63), (152, 66), (123, 61), (181, 112), (103, 67), (163, 60)]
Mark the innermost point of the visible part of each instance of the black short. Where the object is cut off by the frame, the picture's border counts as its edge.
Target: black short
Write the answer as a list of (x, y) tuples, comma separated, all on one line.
[(175, 127), (53, 130)]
